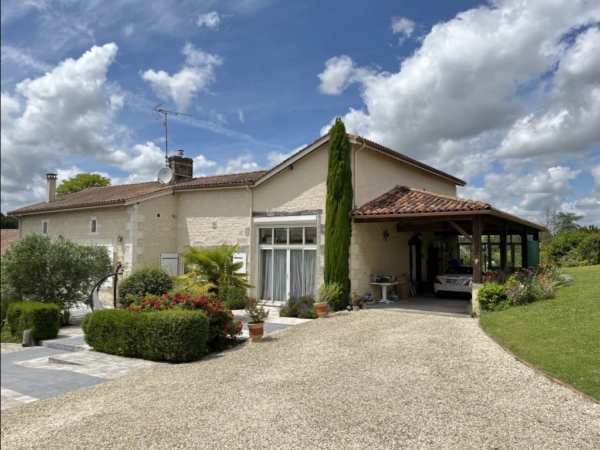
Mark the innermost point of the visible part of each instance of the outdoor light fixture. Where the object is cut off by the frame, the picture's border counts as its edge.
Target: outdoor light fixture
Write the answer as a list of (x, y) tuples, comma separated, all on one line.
[(120, 238), (386, 235), (60, 236)]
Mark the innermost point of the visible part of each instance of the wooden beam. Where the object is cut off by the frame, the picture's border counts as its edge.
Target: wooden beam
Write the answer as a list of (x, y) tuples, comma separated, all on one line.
[(503, 239), (461, 231), (477, 261)]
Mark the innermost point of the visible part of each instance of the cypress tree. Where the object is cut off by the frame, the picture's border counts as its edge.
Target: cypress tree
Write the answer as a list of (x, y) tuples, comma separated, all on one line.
[(338, 226)]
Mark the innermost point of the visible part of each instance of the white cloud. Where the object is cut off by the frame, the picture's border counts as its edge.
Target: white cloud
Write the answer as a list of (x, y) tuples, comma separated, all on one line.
[(218, 117), (197, 74), (241, 116), (210, 20), (404, 27), (275, 157), (128, 30), (339, 73), (201, 163), (22, 58), (243, 163), (469, 103)]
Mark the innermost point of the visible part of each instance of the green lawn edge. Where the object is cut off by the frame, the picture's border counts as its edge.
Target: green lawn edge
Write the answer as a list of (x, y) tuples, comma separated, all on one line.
[(560, 336)]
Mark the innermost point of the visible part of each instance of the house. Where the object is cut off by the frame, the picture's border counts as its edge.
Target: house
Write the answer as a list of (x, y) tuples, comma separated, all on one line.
[(407, 219), (7, 238)]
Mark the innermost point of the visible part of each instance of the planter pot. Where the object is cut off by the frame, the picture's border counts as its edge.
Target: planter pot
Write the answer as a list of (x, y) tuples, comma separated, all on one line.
[(256, 331), (321, 309)]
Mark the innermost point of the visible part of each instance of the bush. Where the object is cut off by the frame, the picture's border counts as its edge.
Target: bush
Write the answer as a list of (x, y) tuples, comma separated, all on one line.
[(52, 271), (172, 336), (233, 297), (301, 306), (491, 295), (146, 279), (42, 319), (5, 300), (222, 326)]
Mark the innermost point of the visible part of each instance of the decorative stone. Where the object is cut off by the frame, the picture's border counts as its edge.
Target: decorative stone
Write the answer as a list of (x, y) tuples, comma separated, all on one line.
[(28, 339)]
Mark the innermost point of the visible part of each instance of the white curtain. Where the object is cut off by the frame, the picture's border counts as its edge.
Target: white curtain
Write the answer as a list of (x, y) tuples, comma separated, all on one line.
[(310, 271), (280, 276), (296, 272), (266, 269)]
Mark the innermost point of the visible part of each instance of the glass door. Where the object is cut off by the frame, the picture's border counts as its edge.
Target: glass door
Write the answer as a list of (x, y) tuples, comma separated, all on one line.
[(280, 276)]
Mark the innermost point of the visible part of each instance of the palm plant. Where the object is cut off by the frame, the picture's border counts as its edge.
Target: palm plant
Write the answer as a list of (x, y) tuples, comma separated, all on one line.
[(210, 269)]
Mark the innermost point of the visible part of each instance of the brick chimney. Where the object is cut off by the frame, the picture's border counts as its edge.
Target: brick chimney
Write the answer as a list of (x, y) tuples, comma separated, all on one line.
[(51, 187), (183, 168)]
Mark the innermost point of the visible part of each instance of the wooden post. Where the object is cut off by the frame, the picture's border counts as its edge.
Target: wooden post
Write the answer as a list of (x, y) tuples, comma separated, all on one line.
[(477, 261), (503, 239), (524, 250)]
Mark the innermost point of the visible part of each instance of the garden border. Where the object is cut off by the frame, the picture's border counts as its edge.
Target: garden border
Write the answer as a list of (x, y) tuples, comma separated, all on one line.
[(535, 369)]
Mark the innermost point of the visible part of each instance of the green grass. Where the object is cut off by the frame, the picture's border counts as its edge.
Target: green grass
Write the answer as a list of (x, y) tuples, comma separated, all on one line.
[(560, 336)]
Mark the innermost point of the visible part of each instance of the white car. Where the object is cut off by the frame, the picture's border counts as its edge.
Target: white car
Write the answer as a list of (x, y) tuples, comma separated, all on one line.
[(455, 280)]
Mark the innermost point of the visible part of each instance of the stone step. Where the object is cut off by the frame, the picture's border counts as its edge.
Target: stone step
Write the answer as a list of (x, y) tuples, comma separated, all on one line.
[(74, 344)]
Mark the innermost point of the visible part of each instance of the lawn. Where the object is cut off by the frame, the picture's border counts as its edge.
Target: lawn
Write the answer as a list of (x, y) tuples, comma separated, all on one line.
[(560, 336)]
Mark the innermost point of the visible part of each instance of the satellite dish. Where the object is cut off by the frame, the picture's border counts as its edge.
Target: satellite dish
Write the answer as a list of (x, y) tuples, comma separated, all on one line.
[(165, 175)]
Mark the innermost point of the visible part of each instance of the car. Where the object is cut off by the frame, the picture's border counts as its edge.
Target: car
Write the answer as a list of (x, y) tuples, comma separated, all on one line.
[(455, 280)]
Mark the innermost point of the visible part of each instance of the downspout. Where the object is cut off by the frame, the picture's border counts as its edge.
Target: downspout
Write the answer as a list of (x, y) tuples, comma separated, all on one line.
[(354, 172), (249, 262)]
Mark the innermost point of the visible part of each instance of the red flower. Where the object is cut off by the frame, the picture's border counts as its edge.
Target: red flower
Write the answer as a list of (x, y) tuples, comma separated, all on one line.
[(167, 295), (225, 327)]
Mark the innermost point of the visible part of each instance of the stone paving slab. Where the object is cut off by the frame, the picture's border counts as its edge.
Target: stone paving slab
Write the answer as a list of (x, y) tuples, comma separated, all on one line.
[(92, 363), (10, 399), (71, 344)]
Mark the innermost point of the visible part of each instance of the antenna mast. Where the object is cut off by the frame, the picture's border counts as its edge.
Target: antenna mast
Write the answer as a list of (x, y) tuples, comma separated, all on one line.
[(159, 113)]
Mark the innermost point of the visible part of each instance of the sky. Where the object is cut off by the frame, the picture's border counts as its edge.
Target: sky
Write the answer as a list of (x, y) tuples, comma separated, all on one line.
[(504, 94)]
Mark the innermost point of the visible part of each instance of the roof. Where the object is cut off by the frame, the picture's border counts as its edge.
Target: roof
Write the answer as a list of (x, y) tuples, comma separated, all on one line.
[(121, 194), (8, 236), (374, 145), (403, 200)]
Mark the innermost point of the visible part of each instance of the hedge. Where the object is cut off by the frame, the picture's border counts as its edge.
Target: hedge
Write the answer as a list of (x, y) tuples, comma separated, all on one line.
[(172, 336), (43, 319), (144, 280)]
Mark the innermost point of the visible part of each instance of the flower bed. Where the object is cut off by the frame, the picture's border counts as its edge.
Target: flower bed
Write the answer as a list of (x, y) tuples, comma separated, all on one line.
[(222, 325), (302, 306)]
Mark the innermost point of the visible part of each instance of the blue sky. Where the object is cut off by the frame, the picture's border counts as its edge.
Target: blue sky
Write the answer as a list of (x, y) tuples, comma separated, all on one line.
[(500, 93)]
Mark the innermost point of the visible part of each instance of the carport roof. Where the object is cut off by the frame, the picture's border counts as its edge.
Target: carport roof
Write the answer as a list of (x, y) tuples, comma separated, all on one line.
[(407, 202)]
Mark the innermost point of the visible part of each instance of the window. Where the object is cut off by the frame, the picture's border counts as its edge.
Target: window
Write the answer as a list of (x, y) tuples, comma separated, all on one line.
[(288, 264), (45, 226), (94, 226)]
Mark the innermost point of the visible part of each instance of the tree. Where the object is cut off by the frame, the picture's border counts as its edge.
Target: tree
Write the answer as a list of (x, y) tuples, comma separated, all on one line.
[(80, 182), (9, 223), (52, 271), (338, 227), (566, 221), (208, 270)]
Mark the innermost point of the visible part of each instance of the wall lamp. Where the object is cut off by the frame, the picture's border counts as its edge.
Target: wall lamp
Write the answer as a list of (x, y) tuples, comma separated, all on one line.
[(60, 236), (120, 238)]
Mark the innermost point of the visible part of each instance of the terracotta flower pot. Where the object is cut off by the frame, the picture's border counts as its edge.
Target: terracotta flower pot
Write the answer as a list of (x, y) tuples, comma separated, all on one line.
[(256, 330), (321, 309)]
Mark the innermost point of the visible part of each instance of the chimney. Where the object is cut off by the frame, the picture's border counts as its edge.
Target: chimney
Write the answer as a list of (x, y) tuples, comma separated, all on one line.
[(51, 187), (183, 168)]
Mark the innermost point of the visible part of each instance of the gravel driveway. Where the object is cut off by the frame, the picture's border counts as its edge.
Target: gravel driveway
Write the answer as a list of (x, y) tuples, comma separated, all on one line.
[(372, 379)]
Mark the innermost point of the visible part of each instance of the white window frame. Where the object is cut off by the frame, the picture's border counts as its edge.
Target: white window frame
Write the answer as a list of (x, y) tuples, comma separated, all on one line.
[(288, 247), (46, 224), (92, 220), (170, 256)]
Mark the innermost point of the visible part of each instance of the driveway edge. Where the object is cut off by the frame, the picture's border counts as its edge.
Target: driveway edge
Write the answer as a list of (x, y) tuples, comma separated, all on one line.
[(535, 369)]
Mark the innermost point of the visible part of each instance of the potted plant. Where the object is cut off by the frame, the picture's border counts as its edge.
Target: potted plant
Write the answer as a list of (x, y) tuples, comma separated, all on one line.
[(325, 294), (258, 314)]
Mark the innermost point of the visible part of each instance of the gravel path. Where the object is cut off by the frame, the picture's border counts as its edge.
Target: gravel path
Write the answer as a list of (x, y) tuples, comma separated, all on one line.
[(373, 379)]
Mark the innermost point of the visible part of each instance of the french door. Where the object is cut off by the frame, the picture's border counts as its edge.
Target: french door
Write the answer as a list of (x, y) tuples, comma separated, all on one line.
[(288, 262)]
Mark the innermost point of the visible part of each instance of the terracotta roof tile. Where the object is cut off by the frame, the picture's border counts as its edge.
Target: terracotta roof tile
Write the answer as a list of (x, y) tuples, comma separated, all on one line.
[(111, 195), (8, 236), (405, 200)]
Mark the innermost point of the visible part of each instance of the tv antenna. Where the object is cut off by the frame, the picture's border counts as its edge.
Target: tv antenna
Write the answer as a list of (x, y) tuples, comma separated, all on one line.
[(160, 113)]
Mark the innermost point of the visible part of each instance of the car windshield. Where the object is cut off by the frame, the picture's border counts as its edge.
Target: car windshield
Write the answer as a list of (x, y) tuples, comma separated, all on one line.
[(460, 270)]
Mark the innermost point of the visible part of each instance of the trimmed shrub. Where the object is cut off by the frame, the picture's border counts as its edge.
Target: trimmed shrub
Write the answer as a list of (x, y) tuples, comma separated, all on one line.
[(146, 279), (222, 329), (491, 295), (43, 319), (172, 336), (301, 306), (233, 297)]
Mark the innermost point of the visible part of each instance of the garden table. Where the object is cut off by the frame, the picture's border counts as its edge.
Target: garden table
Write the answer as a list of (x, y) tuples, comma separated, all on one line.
[(384, 287)]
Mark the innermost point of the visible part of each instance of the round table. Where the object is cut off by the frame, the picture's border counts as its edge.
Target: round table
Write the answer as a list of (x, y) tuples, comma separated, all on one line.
[(384, 287)]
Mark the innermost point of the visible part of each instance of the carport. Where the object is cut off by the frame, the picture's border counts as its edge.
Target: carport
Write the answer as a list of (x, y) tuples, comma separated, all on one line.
[(430, 230)]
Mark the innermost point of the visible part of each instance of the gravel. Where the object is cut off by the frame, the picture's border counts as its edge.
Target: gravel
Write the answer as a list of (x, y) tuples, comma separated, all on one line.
[(370, 379)]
